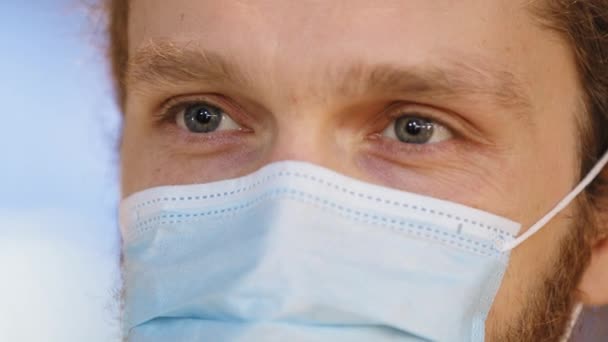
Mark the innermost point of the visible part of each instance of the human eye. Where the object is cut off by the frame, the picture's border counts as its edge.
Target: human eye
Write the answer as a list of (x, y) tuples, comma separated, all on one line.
[(413, 127), (203, 123), (200, 117)]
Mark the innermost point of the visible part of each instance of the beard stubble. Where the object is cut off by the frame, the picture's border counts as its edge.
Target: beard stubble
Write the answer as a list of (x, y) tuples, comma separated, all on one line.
[(548, 311)]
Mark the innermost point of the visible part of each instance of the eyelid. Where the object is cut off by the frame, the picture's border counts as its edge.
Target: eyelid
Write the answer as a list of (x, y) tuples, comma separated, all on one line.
[(394, 112), (458, 124), (226, 122), (169, 109), (389, 131)]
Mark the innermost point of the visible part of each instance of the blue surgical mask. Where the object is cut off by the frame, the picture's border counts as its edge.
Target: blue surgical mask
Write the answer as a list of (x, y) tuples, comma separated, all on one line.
[(295, 252)]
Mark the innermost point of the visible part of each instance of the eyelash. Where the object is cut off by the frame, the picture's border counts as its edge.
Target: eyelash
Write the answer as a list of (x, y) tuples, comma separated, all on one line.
[(399, 110), (173, 106), (396, 111), (388, 146)]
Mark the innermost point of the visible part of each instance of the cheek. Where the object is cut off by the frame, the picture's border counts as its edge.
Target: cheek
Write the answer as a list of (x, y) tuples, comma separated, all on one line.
[(147, 165), (458, 179), (530, 266), (160, 153)]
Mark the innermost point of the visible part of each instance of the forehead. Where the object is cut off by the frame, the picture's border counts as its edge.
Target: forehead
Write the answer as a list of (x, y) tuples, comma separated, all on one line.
[(311, 31), (292, 44)]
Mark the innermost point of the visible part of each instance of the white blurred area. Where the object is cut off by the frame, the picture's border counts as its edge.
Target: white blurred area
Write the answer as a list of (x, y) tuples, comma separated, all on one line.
[(56, 286), (59, 244)]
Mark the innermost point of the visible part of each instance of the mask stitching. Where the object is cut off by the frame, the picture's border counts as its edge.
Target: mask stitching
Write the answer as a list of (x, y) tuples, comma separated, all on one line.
[(325, 183), (418, 230)]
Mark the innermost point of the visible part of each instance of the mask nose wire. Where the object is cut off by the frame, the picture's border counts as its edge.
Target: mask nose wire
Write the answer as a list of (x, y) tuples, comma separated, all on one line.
[(595, 171)]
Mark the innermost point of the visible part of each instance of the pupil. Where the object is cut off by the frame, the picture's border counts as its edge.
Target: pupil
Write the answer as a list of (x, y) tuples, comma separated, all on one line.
[(414, 130), (414, 127), (202, 118)]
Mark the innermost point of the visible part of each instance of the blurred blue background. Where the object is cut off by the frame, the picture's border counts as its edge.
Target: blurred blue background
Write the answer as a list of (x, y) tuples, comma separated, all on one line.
[(58, 175), (59, 243)]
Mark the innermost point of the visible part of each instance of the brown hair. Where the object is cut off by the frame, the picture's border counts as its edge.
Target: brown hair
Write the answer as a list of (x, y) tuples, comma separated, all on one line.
[(117, 24), (584, 23)]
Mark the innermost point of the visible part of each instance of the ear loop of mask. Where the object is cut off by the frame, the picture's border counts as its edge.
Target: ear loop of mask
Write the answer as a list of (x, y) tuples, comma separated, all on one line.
[(595, 171)]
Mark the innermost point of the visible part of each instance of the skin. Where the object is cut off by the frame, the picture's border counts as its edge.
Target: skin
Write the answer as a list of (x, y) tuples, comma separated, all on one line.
[(512, 101)]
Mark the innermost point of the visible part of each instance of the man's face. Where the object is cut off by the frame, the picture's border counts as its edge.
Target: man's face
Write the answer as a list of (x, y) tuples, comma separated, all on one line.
[(487, 98)]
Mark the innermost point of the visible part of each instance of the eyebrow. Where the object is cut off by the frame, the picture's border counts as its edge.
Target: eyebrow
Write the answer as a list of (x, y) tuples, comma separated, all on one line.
[(164, 63)]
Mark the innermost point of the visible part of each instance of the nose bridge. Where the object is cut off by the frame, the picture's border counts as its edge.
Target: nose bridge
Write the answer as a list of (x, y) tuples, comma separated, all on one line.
[(298, 136), (305, 134)]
